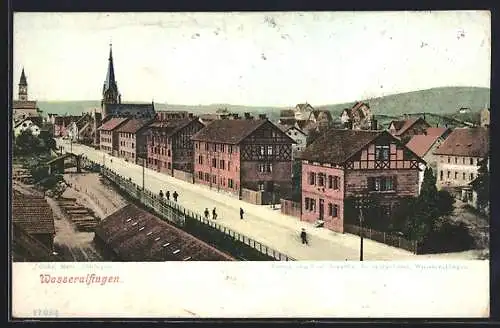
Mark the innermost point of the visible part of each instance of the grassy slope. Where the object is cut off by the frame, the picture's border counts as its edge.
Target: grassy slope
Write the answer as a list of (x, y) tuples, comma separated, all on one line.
[(437, 100)]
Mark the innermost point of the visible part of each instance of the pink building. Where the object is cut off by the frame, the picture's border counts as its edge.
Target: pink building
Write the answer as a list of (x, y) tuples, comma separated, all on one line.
[(132, 139), (345, 163), (62, 124), (169, 145), (108, 135), (246, 157)]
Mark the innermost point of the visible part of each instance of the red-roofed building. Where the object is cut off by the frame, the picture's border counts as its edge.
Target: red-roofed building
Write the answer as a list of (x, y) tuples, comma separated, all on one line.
[(249, 158), (344, 163), (108, 135), (169, 145), (406, 129), (459, 155), (132, 139)]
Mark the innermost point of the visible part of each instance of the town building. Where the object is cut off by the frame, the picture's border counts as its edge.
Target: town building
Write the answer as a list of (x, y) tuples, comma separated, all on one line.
[(358, 117), (321, 119), (287, 117), (23, 107), (108, 134), (34, 216), (170, 148), (26, 124), (62, 125), (303, 111), (167, 115), (485, 117), (132, 234), (344, 163), (424, 146), (249, 158), (132, 139), (299, 136), (405, 129), (459, 155)]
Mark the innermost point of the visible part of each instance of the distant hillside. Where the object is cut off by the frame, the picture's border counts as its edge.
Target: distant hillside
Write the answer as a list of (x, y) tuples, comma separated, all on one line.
[(437, 100)]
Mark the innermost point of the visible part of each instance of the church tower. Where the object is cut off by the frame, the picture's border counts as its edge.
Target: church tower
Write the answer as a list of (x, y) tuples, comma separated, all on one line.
[(110, 93), (23, 87)]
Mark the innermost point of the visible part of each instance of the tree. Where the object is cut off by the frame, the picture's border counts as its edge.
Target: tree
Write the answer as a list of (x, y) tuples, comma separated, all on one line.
[(481, 185), (26, 143), (402, 214), (426, 209), (445, 202)]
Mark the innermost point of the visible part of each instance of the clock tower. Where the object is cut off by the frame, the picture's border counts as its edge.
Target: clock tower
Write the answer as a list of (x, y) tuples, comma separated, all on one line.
[(23, 87), (110, 93)]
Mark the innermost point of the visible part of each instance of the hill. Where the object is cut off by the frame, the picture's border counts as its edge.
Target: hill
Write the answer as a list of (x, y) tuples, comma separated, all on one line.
[(437, 100)]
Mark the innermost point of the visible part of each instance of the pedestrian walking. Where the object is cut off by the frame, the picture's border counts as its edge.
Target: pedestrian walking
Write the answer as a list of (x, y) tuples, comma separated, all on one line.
[(241, 213), (161, 194), (207, 213), (303, 236), (168, 195), (214, 214), (175, 195)]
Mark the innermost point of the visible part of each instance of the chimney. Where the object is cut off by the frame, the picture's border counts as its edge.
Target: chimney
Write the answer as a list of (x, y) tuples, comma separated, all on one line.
[(262, 117), (373, 125)]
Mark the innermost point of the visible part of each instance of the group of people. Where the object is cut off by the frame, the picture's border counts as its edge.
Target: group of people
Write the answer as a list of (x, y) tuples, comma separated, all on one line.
[(214, 213), (167, 195)]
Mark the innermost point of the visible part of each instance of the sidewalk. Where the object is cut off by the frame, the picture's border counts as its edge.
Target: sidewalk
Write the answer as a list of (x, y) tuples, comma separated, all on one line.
[(261, 223)]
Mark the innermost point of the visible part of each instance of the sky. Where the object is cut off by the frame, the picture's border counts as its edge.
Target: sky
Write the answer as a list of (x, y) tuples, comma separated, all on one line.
[(271, 59)]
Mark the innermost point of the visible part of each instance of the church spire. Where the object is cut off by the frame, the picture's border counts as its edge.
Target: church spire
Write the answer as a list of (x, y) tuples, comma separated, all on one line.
[(22, 80), (23, 87), (110, 93)]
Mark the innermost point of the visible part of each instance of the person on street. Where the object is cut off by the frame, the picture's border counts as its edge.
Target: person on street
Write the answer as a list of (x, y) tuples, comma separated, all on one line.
[(168, 195), (303, 236), (206, 213), (161, 194), (175, 195), (214, 214), (241, 213)]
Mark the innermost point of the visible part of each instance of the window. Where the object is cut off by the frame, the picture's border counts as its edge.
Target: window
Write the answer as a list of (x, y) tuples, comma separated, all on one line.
[(206, 145), (448, 174), (306, 203), (321, 180), (214, 162), (448, 159), (382, 152), (472, 176), (196, 145), (463, 160), (471, 161), (441, 176), (313, 205), (221, 164), (269, 150), (214, 178), (330, 209), (261, 186), (312, 178), (265, 167), (230, 183), (228, 165), (200, 175), (168, 152), (456, 175), (333, 210), (336, 183), (222, 148), (169, 166), (381, 183), (214, 147), (456, 160), (200, 159), (330, 182), (262, 150), (463, 176), (230, 149), (207, 177)]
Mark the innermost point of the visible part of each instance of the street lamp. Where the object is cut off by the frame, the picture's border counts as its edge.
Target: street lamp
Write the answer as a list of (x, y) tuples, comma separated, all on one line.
[(361, 204)]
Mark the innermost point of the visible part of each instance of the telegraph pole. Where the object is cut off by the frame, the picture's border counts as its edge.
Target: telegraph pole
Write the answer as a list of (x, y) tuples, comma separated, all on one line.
[(143, 173), (362, 203)]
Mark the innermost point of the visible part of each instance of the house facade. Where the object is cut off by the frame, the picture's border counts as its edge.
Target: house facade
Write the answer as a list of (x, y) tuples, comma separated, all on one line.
[(248, 158), (26, 124), (344, 163), (132, 140), (303, 111), (169, 145), (358, 117), (299, 136), (459, 155), (109, 140), (405, 129), (62, 125)]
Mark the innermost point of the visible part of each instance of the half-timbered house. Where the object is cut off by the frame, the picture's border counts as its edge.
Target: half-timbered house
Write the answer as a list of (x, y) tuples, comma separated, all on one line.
[(249, 158), (169, 145), (343, 163)]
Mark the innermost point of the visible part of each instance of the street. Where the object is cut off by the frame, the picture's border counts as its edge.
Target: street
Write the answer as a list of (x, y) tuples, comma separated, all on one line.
[(261, 223)]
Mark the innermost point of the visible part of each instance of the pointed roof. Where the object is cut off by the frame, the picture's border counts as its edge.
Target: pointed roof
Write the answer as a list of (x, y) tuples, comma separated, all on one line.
[(421, 144), (471, 142), (22, 80), (110, 81)]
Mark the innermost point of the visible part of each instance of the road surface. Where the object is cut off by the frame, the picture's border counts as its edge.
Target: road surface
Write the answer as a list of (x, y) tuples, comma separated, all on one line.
[(261, 223)]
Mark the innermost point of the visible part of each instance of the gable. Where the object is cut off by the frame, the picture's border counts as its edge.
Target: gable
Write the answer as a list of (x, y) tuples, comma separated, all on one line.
[(268, 131)]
